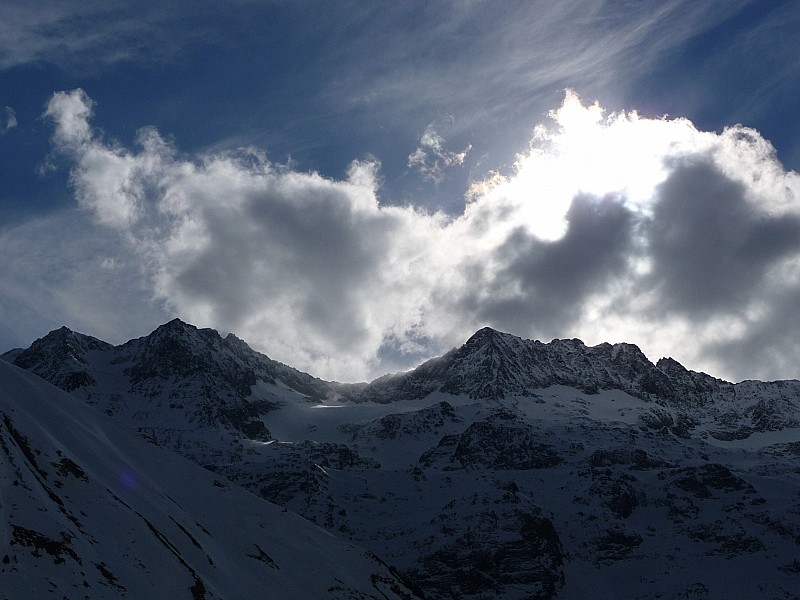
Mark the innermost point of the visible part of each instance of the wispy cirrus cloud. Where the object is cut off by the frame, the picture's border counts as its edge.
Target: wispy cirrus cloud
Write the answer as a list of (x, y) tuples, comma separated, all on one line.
[(611, 227), (88, 32), (61, 269), (490, 66)]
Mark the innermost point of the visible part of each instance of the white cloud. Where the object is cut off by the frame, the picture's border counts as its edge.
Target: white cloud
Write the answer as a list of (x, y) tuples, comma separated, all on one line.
[(430, 158), (11, 118), (611, 228)]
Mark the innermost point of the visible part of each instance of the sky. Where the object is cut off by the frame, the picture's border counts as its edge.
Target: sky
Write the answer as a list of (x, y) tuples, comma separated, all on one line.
[(355, 187)]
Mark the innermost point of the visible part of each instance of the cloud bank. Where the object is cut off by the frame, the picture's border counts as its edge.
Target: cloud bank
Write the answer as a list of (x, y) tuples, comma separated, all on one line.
[(610, 228)]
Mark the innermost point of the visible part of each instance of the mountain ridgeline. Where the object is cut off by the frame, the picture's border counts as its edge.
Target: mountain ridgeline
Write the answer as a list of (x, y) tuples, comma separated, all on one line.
[(505, 468), (493, 365), (222, 374)]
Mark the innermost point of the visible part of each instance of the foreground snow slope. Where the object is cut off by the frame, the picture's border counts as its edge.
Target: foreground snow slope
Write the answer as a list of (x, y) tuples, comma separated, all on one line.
[(89, 511)]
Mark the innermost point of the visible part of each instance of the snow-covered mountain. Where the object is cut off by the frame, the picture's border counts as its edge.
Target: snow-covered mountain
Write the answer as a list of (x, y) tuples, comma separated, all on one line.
[(505, 468), (182, 387), (89, 511)]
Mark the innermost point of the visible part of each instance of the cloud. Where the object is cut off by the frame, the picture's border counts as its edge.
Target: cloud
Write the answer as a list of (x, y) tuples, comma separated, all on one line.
[(611, 227), (547, 282), (63, 270), (89, 33), (710, 246), (311, 268), (430, 158), (11, 118), (493, 68)]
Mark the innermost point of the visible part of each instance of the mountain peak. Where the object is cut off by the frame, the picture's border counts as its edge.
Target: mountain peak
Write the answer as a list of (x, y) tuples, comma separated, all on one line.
[(492, 365), (488, 335), (670, 366), (60, 356), (492, 339), (62, 335), (178, 337), (177, 323), (173, 326), (483, 333), (237, 343)]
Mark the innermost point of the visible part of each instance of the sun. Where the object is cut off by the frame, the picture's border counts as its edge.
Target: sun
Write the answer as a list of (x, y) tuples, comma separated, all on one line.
[(583, 151)]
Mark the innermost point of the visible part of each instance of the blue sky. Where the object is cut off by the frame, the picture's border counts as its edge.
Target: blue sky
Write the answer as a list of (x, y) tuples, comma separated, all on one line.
[(353, 187)]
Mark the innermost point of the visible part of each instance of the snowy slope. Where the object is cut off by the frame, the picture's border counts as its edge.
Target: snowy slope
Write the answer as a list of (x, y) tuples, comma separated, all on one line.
[(506, 468), (88, 511)]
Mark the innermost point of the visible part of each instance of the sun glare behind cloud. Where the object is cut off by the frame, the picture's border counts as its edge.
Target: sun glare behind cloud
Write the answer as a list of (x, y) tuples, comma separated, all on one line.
[(582, 151)]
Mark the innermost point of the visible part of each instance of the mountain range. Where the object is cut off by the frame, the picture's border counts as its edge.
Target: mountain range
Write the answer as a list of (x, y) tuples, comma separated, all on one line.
[(505, 468)]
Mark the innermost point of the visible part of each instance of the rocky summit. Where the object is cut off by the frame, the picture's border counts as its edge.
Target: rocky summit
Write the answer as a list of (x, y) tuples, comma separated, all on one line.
[(506, 468)]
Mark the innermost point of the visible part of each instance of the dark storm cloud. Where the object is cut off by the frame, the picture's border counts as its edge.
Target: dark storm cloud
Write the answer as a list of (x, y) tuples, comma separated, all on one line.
[(300, 237), (541, 285), (766, 351), (720, 253), (711, 247), (232, 240)]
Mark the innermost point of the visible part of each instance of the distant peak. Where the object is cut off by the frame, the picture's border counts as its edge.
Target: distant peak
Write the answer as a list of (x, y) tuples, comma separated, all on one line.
[(483, 334), (486, 331), (237, 343), (62, 332), (570, 343), (62, 335), (175, 326), (670, 365), (175, 323)]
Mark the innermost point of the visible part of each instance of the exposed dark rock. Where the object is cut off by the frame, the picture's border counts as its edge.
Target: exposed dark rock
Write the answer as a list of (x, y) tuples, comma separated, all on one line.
[(635, 458), (60, 550), (495, 444), (700, 481), (727, 538), (66, 467), (616, 544), (524, 554)]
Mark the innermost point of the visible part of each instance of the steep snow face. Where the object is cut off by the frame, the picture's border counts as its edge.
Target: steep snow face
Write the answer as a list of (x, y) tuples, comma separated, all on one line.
[(506, 468), (88, 511)]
